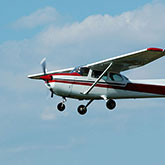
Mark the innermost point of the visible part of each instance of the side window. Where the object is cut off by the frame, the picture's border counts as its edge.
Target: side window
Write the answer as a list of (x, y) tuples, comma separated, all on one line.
[(115, 77), (84, 71), (96, 74)]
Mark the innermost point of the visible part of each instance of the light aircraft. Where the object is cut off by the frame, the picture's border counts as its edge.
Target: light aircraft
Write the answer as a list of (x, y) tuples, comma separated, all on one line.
[(102, 80)]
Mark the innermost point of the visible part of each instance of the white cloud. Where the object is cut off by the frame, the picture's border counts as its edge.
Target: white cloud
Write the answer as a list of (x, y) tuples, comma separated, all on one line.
[(139, 26), (103, 36), (99, 36), (21, 149), (40, 17), (70, 143), (50, 113)]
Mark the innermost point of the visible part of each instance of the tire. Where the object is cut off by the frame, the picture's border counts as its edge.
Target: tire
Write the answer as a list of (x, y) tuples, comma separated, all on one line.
[(111, 104), (61, 107), (82, 109)]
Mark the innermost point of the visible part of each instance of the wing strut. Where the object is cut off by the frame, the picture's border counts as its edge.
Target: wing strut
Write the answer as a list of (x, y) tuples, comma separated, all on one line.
[(93, 85)]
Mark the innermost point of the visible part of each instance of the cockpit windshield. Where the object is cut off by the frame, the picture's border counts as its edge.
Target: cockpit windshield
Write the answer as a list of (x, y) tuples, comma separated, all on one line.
[(108, 76), (83, 71)]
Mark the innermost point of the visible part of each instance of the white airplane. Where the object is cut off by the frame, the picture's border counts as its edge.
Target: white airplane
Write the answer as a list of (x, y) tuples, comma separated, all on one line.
[(102, 80)]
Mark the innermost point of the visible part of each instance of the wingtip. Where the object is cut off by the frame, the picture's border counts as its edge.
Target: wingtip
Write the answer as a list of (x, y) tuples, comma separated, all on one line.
[(156, 49)]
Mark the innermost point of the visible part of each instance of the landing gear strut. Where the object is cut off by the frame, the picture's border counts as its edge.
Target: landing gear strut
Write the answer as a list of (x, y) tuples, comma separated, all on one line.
[(61, 106), (111, 104), (82, 109)]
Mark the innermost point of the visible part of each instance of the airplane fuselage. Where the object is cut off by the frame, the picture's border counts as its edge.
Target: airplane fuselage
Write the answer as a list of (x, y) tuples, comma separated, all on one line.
[(73, 86)]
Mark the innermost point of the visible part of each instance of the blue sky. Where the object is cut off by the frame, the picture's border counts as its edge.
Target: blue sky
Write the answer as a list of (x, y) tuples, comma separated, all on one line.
[(71, 33)]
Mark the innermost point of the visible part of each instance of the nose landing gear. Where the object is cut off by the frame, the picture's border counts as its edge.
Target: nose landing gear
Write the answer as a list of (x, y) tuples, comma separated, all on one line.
[(61, 106)]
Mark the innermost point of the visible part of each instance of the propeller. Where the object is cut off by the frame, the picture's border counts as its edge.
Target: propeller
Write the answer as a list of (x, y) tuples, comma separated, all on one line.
[(52, 93), (43, 65)]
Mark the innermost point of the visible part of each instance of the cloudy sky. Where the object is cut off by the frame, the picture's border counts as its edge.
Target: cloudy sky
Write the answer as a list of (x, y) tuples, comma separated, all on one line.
[(72, 33)]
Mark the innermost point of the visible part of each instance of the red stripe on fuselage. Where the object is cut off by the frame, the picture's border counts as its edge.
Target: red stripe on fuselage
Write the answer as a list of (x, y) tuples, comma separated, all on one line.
[(146, 88)]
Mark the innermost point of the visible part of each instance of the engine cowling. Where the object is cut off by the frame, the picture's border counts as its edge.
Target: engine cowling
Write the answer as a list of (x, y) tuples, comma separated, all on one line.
[(47, 77)]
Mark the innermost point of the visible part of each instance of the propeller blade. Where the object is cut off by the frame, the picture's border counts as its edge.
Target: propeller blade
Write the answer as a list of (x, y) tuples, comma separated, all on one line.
[(52, 93), (43, 64)]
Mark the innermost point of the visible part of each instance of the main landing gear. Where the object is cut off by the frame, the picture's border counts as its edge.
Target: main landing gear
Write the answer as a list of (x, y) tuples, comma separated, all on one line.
[(111, 104), (82, 109)]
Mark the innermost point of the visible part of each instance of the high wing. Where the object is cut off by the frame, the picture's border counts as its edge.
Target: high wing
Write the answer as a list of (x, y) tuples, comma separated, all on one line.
[(38, 75), (119, 64), (129, 61)]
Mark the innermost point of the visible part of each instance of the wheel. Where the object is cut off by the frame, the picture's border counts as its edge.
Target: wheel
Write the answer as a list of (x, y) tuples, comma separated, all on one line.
[(82, 109), (61, 107), (111, 104)]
